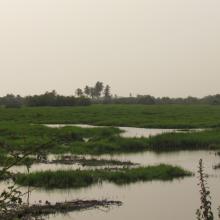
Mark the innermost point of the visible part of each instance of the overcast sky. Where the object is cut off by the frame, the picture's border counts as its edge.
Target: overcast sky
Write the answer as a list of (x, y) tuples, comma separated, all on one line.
[(157, 47)]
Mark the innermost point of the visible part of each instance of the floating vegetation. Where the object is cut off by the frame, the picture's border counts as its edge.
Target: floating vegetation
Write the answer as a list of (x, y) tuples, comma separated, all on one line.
[(73, 159), (26, 212), (85, 178)]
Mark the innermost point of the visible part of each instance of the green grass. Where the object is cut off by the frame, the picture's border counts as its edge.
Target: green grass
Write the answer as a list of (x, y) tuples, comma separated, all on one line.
[(109, 145), (104, 140), (19, 135), (26, 137), (154, 116), (85, 178), (209, 139)]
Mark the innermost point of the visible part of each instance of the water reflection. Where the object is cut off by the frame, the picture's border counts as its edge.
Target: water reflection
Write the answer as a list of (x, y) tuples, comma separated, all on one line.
[(130, 131), (154, 200)]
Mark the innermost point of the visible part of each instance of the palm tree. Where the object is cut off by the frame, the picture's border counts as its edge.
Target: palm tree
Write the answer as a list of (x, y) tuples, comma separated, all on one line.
[(98, 89), (87, 91), (107, 93), (79, 92)]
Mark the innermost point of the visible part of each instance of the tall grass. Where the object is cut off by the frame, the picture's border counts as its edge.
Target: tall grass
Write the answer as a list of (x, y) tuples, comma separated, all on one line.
[(82, 178), (105, 146), (23, 137), (103, 140), (209, 139)]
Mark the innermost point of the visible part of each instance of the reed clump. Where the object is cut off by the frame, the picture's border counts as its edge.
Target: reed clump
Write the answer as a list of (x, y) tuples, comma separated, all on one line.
[(208, 139), (85, 178)]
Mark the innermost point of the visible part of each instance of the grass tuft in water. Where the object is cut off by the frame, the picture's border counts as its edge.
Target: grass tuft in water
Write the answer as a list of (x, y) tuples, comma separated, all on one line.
[(84, 178)]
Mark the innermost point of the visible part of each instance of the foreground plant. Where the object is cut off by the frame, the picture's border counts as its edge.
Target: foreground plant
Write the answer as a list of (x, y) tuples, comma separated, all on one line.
[(205, 210), (13, 207), (11, 197)]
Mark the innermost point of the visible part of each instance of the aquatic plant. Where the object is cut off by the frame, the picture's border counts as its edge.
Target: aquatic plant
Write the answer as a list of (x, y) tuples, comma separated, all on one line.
[(84, 178), (73, 159)]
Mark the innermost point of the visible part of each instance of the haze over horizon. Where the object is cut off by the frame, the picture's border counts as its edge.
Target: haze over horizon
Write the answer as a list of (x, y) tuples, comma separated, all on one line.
[(162, 48)]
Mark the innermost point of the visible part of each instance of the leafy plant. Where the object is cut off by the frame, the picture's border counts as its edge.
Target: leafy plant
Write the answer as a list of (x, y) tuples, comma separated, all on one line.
[(11, 198)]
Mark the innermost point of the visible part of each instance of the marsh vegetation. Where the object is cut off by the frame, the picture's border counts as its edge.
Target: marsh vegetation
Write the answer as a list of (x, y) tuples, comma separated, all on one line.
[(87, 157), (150, 116), (79, 178)]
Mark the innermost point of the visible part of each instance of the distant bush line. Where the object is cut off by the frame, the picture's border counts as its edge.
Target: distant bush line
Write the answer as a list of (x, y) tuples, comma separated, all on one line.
[(46, 99), (151, 100), (98, 95)]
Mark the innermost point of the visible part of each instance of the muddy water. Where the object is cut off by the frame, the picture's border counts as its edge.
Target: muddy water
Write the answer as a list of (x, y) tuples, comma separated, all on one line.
[(156, 200), (129, 131)]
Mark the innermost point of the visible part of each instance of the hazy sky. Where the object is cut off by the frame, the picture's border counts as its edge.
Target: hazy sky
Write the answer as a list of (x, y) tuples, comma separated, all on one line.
[(158, 47)]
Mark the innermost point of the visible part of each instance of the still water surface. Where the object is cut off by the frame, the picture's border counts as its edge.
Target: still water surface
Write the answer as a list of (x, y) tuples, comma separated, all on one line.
[(130, 131), (154, 200)]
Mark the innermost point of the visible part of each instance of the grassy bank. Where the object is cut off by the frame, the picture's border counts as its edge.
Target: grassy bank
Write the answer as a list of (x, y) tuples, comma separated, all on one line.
[(209, 139), (26, 137), (156, 116), (16, 137), (83, 178)]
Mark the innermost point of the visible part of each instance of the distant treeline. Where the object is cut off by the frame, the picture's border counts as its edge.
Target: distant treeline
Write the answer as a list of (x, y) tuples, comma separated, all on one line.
[(150, 100), (98, 94), (101, 94), (46, 99)]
